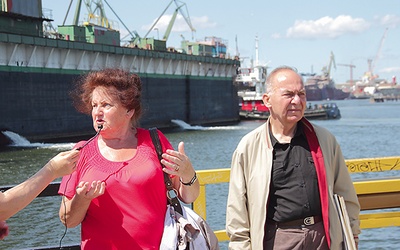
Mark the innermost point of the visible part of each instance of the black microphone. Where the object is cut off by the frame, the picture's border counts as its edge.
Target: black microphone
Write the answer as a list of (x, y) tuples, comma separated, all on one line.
[(99, 128)]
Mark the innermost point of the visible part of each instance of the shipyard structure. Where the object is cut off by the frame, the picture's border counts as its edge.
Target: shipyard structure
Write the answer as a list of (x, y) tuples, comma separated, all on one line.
[(38, 70)]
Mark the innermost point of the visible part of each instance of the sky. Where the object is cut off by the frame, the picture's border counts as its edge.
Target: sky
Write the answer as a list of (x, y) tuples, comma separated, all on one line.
[(301, 34)]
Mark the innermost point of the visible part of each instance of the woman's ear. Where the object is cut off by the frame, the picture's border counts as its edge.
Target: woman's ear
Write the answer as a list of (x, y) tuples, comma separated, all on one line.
[(130, 113)]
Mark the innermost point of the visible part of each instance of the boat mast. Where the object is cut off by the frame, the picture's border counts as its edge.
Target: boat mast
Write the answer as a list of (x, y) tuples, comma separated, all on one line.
[(256, 64)]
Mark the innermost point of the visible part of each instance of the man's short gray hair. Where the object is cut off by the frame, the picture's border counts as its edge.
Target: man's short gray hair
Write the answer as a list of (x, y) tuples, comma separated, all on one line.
[(268, 82)]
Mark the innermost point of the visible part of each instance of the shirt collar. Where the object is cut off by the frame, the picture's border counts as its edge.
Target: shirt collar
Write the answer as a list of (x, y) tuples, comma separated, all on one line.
[(299, 132)]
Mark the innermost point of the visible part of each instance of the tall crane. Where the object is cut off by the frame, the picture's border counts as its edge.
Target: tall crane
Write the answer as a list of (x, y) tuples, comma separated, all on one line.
[(351, 66), (96, 15), (172, 21), (326, 70), (372, 63), (134, 36)]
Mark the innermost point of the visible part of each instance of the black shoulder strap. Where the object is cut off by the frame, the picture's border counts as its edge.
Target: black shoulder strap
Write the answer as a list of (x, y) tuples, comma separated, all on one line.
[(171, 192)]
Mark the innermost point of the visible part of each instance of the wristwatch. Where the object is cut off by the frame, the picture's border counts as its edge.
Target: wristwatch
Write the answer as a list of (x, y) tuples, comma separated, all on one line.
[(190, 182)]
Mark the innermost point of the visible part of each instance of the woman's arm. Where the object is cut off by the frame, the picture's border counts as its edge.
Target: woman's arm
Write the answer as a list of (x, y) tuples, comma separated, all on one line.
[(18, 197)]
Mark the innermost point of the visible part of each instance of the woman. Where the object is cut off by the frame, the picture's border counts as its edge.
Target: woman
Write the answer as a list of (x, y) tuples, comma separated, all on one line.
[(117, 193)]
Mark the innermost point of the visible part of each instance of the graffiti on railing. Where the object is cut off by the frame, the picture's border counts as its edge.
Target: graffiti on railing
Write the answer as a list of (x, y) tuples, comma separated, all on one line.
[(216, 177), (373, 166), (396, 166)]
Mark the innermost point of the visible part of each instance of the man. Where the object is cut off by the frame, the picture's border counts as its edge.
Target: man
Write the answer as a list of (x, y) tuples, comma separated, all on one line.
[(284, 175), (18, 197)]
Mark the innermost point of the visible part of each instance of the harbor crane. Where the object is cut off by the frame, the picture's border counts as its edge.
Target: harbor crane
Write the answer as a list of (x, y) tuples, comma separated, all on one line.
[(372, 62), (179, 6), (97, 16), (351, 66), (326, 70)]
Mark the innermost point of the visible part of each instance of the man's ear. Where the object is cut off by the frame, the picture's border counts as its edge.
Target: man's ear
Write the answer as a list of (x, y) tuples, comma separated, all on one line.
[(266, 99)]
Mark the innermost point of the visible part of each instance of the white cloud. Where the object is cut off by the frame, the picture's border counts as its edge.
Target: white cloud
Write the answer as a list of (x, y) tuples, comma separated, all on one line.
[(391, 21), (390, 70), (180, 24), (327, 27)]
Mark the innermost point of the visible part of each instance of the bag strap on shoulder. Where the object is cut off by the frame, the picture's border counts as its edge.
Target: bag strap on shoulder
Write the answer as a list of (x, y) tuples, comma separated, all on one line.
[(172, 194)]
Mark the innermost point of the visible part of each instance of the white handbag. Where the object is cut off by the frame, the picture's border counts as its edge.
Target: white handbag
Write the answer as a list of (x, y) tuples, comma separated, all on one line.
[(183, 228), (183, 231)]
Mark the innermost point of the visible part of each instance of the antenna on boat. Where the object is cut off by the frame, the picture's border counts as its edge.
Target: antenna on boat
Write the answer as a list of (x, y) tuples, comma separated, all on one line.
[(237, 48), (256, 64)]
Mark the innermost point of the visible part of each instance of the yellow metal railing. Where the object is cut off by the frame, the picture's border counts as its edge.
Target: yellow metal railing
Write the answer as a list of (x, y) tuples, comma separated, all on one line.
[(373, 194)]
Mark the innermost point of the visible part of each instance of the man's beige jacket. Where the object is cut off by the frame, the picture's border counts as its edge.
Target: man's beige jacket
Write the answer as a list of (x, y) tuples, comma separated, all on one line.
[(249, 189)]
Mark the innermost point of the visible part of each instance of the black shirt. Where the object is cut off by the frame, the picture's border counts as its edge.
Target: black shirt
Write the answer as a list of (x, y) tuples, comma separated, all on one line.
[(294, 190)]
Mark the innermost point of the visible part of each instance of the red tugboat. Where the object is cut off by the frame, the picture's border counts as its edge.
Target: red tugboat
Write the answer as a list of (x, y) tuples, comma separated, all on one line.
[(251, 86), (254, 108)]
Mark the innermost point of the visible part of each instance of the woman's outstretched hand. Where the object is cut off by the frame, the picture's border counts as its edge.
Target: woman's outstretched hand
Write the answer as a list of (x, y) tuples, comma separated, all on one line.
[(178, 163)]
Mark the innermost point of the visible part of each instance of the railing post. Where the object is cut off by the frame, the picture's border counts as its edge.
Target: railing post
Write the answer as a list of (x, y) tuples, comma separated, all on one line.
[(199, 205)]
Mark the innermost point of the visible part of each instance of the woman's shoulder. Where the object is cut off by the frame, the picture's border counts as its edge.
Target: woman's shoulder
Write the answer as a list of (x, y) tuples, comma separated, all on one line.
[(141, 131), (146, 133), (144, 136)]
